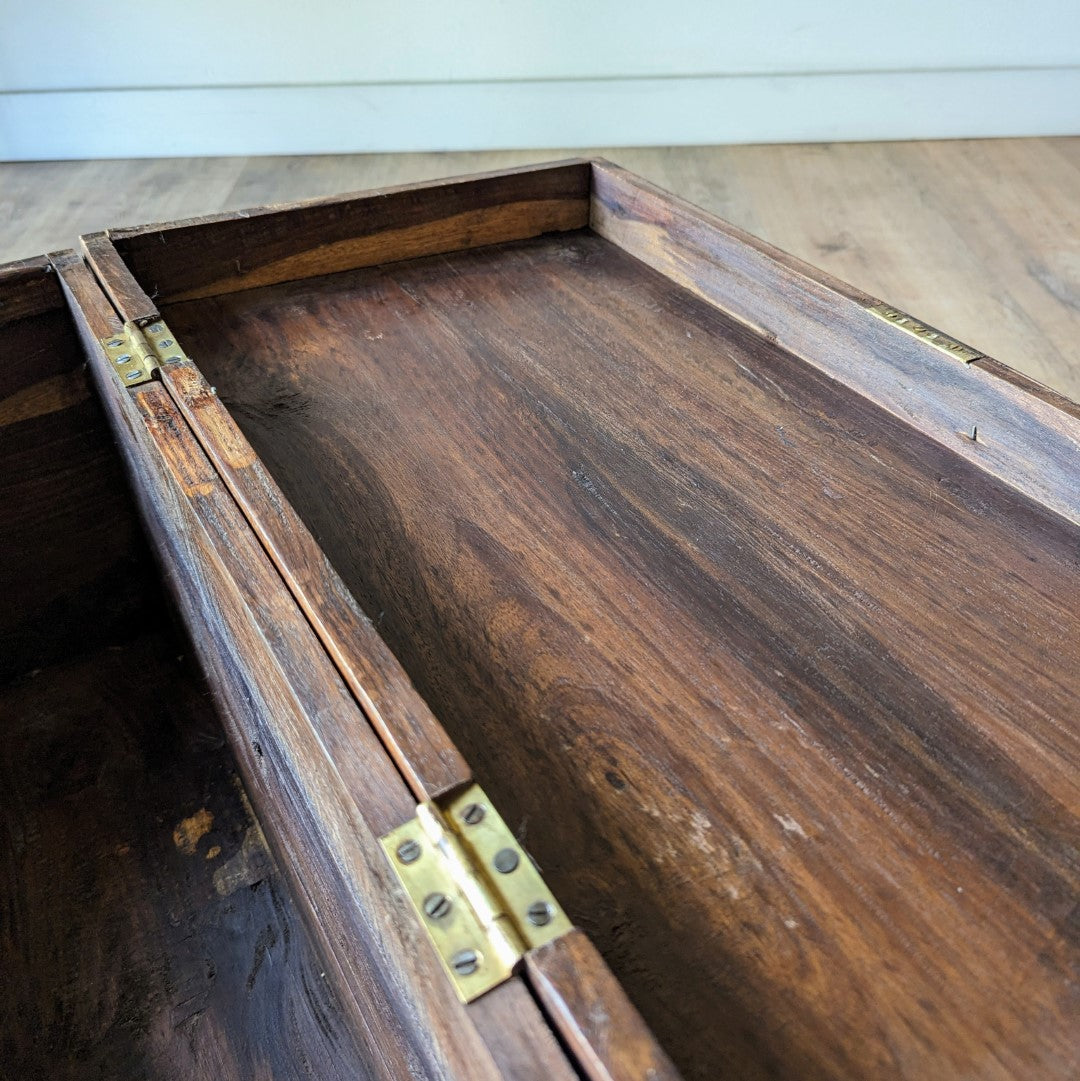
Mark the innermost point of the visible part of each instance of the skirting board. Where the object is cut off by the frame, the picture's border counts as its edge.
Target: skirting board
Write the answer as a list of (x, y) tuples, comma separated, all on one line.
[(205, 121)]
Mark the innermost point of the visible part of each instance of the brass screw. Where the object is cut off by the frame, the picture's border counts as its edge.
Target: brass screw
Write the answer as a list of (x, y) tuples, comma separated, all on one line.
[(472, 814), (506, 860), (437, 906), (409, 851), (465, 962), (539, 913)]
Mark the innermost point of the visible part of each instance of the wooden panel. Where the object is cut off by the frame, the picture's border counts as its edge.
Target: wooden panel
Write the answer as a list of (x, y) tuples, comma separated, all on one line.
[(146, 931), (778, 689), (125, 293), (593, 1014), (28, 288), (71, 554), (421, 750), (318, 775), (1029, 385), (205, 256), (1023, 440)]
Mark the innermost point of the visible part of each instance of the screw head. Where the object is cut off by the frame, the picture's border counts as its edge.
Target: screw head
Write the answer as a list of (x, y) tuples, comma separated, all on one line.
[(472, 814), (409, 851), (116, 343), (465, 962), (165, 343), (157, 328), (539, 913), (123, 359), (174, 357), (133, 375), (506, 860), (437, 906)]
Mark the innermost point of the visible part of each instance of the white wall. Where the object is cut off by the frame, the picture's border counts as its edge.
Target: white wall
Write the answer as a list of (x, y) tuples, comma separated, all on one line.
[(80, 78)]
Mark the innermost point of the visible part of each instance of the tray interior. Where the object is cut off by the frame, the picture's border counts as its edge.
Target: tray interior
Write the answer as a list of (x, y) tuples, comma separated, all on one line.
[(765, 678), (143, 930)]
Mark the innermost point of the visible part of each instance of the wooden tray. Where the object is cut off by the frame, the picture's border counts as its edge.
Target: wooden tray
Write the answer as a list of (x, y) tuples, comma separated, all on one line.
[(749, 601)]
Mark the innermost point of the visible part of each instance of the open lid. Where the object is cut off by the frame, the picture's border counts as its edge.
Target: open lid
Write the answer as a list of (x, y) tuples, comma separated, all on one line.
[(750, 600)]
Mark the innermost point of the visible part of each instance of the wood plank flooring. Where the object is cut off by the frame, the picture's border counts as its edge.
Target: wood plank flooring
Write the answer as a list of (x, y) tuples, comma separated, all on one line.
[(980, 238)]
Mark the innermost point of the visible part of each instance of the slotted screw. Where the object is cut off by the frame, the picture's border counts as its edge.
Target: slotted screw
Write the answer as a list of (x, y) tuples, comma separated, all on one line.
[(472, 814), (465, 962), (409, 851), (539, 913), (437, 906)]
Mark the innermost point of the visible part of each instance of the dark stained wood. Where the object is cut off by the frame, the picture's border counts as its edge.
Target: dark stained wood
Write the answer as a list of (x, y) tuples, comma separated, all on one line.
[(205, 256), (593, 1014), (780, 689), (318, 776), (140, 939), (421, 750), (518, 1035), (116, 279), (141, 934), (1029, 385), (28, 288), (1022, 440), (71, 553)]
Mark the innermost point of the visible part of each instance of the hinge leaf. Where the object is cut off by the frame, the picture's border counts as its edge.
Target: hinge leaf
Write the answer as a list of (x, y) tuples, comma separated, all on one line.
[(910, 325)]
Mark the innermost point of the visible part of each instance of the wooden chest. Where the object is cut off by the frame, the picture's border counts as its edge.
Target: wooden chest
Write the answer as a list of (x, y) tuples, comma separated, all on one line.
[(607, 647)]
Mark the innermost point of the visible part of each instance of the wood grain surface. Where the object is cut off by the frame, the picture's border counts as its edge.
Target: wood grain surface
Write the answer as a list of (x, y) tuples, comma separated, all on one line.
[(318, 776), (71, 553), (420, 748), (606, 1034), (209, 255), (780, 692), (146, 932), (1023, 440), (978, 236)]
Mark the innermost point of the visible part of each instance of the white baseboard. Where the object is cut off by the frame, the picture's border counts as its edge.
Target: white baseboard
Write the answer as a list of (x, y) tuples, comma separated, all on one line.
[(520, 115)]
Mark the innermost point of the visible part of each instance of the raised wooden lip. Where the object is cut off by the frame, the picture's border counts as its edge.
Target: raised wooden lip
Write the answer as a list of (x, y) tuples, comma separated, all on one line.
[(29, 287), (1027, 436)]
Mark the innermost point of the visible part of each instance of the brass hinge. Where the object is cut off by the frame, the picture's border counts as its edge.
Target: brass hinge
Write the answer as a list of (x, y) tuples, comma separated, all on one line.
[(474, 888), (136, 353), (956, 350)]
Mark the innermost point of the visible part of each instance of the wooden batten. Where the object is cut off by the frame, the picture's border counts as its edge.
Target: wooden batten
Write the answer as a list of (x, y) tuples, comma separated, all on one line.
[(1024, 441), (418, 744), (208, 256)]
